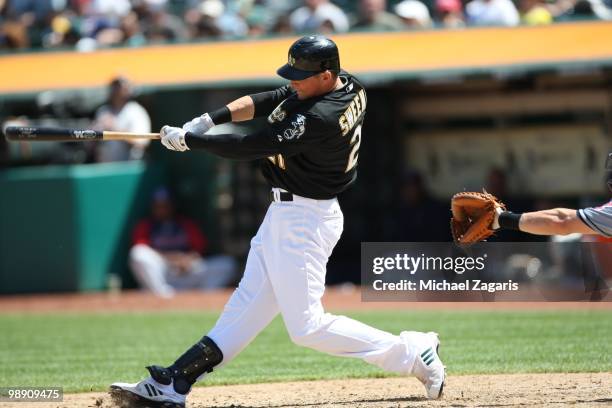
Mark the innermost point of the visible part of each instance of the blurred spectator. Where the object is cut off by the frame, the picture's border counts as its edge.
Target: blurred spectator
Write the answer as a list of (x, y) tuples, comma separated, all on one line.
[(373, 16), (533, 12), (160, 26), (414, 14), (167, 250), (419, 217), (133, 35), (591, 9), (123, 114), (111, 8), (492, 13), (282, 26), (450, 13), (257, 19), (231, 22), (202, 20), (314, 13), (211, 18), (88, 25)]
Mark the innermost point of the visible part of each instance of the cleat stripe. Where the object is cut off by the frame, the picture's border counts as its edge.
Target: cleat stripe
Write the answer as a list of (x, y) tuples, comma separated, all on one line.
[(429, 360), (426, 352), (426, 355), (148, 390)]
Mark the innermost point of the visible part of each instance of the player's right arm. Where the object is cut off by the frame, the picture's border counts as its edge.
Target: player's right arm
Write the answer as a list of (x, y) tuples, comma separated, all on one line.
[(239, 110)]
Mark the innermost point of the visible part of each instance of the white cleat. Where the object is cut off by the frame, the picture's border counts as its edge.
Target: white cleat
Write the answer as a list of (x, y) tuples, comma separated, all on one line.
[(428, 367), (146, 393)]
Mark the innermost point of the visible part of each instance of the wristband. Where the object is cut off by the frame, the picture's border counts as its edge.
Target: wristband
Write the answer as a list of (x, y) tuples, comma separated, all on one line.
[(509, 220), (221, 115)]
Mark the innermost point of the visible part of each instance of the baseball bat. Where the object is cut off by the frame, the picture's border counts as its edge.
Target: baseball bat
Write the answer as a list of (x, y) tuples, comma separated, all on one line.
[(50, 134)]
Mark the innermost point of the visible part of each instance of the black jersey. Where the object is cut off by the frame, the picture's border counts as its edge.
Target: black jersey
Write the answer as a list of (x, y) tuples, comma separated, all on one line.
[(309, 147)]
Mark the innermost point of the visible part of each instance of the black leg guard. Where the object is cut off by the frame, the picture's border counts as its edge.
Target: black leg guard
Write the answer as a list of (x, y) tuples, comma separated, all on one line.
[(199, 359)]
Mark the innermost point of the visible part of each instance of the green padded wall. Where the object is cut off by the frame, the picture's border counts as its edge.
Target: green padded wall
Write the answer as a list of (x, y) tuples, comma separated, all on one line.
[(64, 228)]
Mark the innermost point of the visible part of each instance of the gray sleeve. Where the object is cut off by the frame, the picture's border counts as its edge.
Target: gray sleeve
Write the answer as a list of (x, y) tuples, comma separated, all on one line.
[(599, 219)]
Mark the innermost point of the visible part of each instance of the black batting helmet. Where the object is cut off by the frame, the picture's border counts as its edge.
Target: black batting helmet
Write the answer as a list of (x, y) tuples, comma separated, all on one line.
[(310, 55)]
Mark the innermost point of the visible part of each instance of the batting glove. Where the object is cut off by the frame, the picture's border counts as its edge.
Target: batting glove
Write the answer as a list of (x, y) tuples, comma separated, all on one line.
[(200, 125), (173, 138)]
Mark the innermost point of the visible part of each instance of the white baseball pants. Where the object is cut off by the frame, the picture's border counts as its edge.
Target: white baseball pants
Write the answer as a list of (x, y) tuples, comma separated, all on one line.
[(285, 272)]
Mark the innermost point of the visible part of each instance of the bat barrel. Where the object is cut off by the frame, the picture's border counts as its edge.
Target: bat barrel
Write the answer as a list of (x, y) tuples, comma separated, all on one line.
[(29, 133)]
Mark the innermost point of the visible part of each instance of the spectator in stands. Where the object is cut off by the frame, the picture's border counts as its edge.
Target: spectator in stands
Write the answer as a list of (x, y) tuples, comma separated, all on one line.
[(133, 36), (26, 21), (414, 14), (373, 16), (257, 19), (166, 255), (592, 9), (450, 13), (228, 20), (282, 26), (492, 13), (202, 22), (159, 25), (310, 17), (121, 113), (533, 12), (62, 31)]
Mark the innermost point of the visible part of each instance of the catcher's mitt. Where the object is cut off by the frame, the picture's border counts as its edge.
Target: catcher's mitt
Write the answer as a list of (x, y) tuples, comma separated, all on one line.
[(473, 216)]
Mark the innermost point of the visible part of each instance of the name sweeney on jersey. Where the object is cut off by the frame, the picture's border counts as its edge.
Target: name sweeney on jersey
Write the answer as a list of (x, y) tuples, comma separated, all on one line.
[(353, 112)]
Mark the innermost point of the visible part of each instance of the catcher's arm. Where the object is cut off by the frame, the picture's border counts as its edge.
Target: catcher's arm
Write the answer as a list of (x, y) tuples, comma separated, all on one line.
[(556, 221), (476, 216)]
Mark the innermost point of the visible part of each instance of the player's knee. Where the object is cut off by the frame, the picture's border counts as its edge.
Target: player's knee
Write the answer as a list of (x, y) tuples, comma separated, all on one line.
[(139, 252), (303, 339), (306, 336), (145, 256)]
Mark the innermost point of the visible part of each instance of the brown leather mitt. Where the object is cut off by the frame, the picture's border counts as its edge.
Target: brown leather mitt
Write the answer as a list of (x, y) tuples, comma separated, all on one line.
[(473, 216)]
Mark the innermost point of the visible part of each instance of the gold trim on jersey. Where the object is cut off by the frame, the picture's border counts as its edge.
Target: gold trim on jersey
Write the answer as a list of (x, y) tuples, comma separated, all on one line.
[(354, 111)]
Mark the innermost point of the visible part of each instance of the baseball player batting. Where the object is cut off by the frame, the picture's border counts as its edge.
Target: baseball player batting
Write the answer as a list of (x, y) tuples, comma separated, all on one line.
[(476, 216), (309, 153)]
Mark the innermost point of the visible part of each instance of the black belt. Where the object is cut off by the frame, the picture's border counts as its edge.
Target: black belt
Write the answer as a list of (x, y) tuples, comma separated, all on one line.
[(282, 196)]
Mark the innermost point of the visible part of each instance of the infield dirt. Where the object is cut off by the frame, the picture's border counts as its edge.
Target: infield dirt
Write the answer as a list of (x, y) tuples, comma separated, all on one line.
[(524, 390)]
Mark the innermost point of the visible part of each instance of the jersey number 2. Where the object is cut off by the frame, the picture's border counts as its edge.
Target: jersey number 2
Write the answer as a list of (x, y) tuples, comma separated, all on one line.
[(278, 160), (355, 142)]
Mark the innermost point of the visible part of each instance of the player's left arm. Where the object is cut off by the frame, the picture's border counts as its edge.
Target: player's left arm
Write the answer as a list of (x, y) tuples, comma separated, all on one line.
[(556, 221), (239, 110), (559, 221)]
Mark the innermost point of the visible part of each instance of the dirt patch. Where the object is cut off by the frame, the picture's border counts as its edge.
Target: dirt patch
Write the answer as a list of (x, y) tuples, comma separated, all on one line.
[(336, 298), (532, 390)]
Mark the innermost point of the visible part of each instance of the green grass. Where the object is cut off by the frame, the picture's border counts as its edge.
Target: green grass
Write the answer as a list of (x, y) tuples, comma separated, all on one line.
[(83, 352)]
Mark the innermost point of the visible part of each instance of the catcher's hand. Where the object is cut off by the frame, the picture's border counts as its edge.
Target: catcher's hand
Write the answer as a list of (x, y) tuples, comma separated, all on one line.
[(474, 215)]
